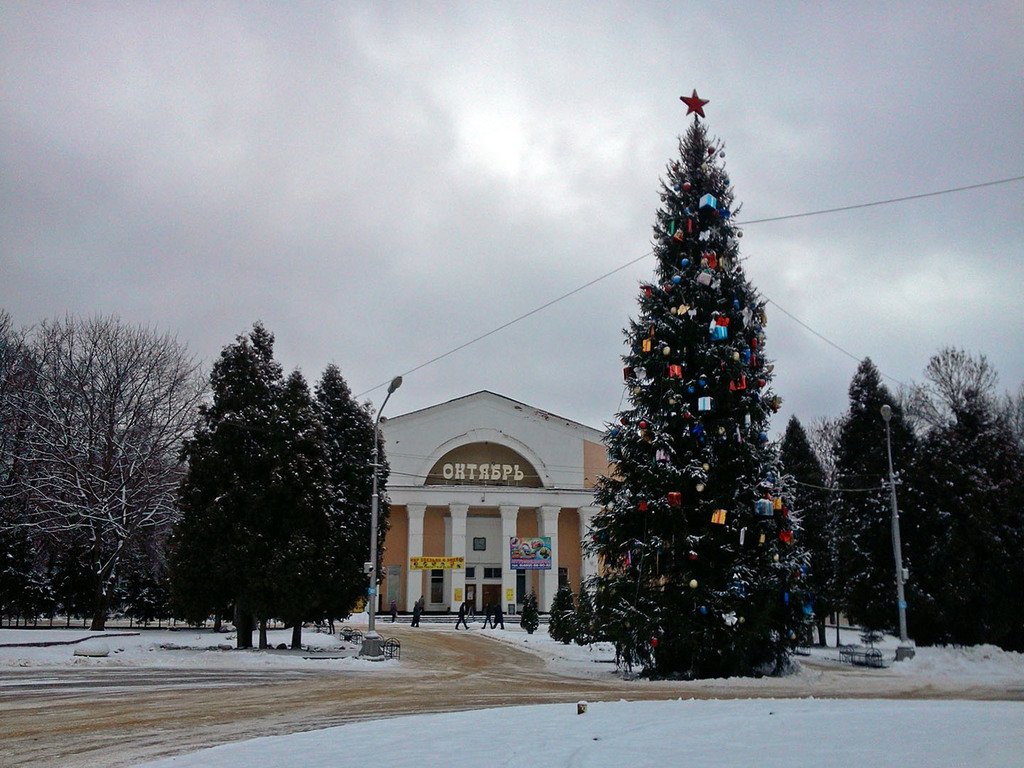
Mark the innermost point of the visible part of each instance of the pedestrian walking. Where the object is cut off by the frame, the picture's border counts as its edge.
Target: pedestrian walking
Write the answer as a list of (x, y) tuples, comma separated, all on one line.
[(394, 611), (417, 609), (462, 615), (497, 617), (487, 616)]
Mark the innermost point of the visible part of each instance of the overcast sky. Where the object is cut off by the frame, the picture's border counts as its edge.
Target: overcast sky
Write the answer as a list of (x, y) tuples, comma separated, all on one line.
[(382, 182)]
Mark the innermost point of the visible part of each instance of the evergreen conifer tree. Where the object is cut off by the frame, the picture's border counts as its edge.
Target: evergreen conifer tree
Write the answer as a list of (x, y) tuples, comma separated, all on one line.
[(562, 624), (221, 547), (349, 444), (584, 617), (966, 538), (817, 531), (701, 574), (865, 552), (529, 619)]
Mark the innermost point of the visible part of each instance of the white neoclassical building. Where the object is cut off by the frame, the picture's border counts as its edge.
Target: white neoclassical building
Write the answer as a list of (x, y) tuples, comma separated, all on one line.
[(470, 475)]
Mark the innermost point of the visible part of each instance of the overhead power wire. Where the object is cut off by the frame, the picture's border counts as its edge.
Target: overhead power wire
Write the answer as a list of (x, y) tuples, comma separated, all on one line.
[(820, 212)]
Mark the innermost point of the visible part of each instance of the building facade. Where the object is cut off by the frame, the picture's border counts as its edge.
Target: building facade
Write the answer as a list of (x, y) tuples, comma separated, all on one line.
[(467, 477)]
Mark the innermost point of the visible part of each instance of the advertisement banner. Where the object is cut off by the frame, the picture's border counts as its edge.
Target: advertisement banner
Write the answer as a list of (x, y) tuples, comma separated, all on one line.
[(437, 563), (532, 554)]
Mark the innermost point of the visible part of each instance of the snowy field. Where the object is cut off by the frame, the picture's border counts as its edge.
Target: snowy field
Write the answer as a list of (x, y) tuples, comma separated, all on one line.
[(738, 732), (743, 733)]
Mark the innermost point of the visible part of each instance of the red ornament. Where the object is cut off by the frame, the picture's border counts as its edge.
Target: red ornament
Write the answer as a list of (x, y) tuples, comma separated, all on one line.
[(642, 506), (687, 186), (642, 425), (654, 642), (694, 103), (786, 536), (675, 499), (692, 555)]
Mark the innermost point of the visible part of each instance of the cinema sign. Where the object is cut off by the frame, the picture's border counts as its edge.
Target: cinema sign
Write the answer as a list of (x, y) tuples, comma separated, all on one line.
[(483, 464)]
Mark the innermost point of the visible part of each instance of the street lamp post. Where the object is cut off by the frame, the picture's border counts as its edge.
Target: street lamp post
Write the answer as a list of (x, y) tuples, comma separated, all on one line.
[(905, 650), (371, 648)]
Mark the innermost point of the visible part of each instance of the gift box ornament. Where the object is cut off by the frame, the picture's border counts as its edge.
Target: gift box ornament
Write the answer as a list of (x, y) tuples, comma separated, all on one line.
[(743, 535), (705, 403), (760, 540), (642, 506), (786, 537), (737, 386), (718, 517), (675, 499), (712, 259), (627, 373), (719, 332), (648, 291), (777, 503), (704, 278), (709, 202), (678, 236), (646, 345), (661, 456), (763, 508), (675, 371)]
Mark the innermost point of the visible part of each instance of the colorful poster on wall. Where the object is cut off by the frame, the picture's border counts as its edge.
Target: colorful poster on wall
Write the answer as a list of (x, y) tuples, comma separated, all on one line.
[(437, 563), (531, 554)]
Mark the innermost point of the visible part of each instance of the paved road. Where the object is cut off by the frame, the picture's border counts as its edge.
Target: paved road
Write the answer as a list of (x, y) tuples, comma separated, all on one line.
[(74, 717)]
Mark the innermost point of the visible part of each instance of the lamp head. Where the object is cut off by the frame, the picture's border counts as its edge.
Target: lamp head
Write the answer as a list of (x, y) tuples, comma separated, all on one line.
[(395, 384), (886, 413)]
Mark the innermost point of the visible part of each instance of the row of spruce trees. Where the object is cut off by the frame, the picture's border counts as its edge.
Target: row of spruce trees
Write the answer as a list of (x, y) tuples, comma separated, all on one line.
[(958, 456)]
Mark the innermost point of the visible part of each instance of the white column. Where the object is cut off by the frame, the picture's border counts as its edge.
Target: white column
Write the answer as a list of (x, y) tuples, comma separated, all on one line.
[(457, 548), (588, 562), (509, 518), (414, 580), (547, 525)]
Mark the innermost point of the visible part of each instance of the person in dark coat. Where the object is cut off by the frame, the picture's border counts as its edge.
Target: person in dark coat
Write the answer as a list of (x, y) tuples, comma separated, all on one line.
[(497, 617), (487, 616), (462, 615), (394, 611), (417, 609)]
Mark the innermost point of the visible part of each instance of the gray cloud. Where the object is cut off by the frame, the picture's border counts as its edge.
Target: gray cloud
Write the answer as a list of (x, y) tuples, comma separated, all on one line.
[(380, 183)]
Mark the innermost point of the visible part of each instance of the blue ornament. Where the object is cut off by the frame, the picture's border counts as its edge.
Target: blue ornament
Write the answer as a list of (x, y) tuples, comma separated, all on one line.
[(691, 389), (684, 263), (614, 432), (736, 303), (704, 610), (724, 213), (677, 279), (763, 437), (702, 381), (808, 609), (675, 187), (785, 597)]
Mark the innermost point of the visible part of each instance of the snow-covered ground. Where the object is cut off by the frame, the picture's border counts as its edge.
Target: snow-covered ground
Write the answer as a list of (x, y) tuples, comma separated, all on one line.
[(739, 732), (743, 733)]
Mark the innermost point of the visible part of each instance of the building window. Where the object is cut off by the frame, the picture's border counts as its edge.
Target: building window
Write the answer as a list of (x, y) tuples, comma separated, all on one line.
[(520, 585), (479, 544), (563, 576), (492, 573), (470, 571), (437, 586)]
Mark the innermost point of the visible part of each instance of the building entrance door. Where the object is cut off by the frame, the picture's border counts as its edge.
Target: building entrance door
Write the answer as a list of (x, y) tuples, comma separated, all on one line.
[(492, 594), (471, 598)]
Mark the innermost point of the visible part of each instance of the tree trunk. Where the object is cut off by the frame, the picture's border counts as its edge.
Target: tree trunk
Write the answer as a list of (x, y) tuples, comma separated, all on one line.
[(297, 636), (243, 628), (216, 622), (99, 611), (821, 631), (263, 634)]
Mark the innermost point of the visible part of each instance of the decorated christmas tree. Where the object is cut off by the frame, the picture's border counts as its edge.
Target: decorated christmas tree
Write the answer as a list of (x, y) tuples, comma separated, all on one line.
[(700, 576)]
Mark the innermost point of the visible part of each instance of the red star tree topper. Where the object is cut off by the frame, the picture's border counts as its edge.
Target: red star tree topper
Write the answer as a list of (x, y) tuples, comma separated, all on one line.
[(694, 103)]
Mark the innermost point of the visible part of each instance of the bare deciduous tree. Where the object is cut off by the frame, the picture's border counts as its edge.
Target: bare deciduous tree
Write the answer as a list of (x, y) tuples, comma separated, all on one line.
[(108, 409)]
